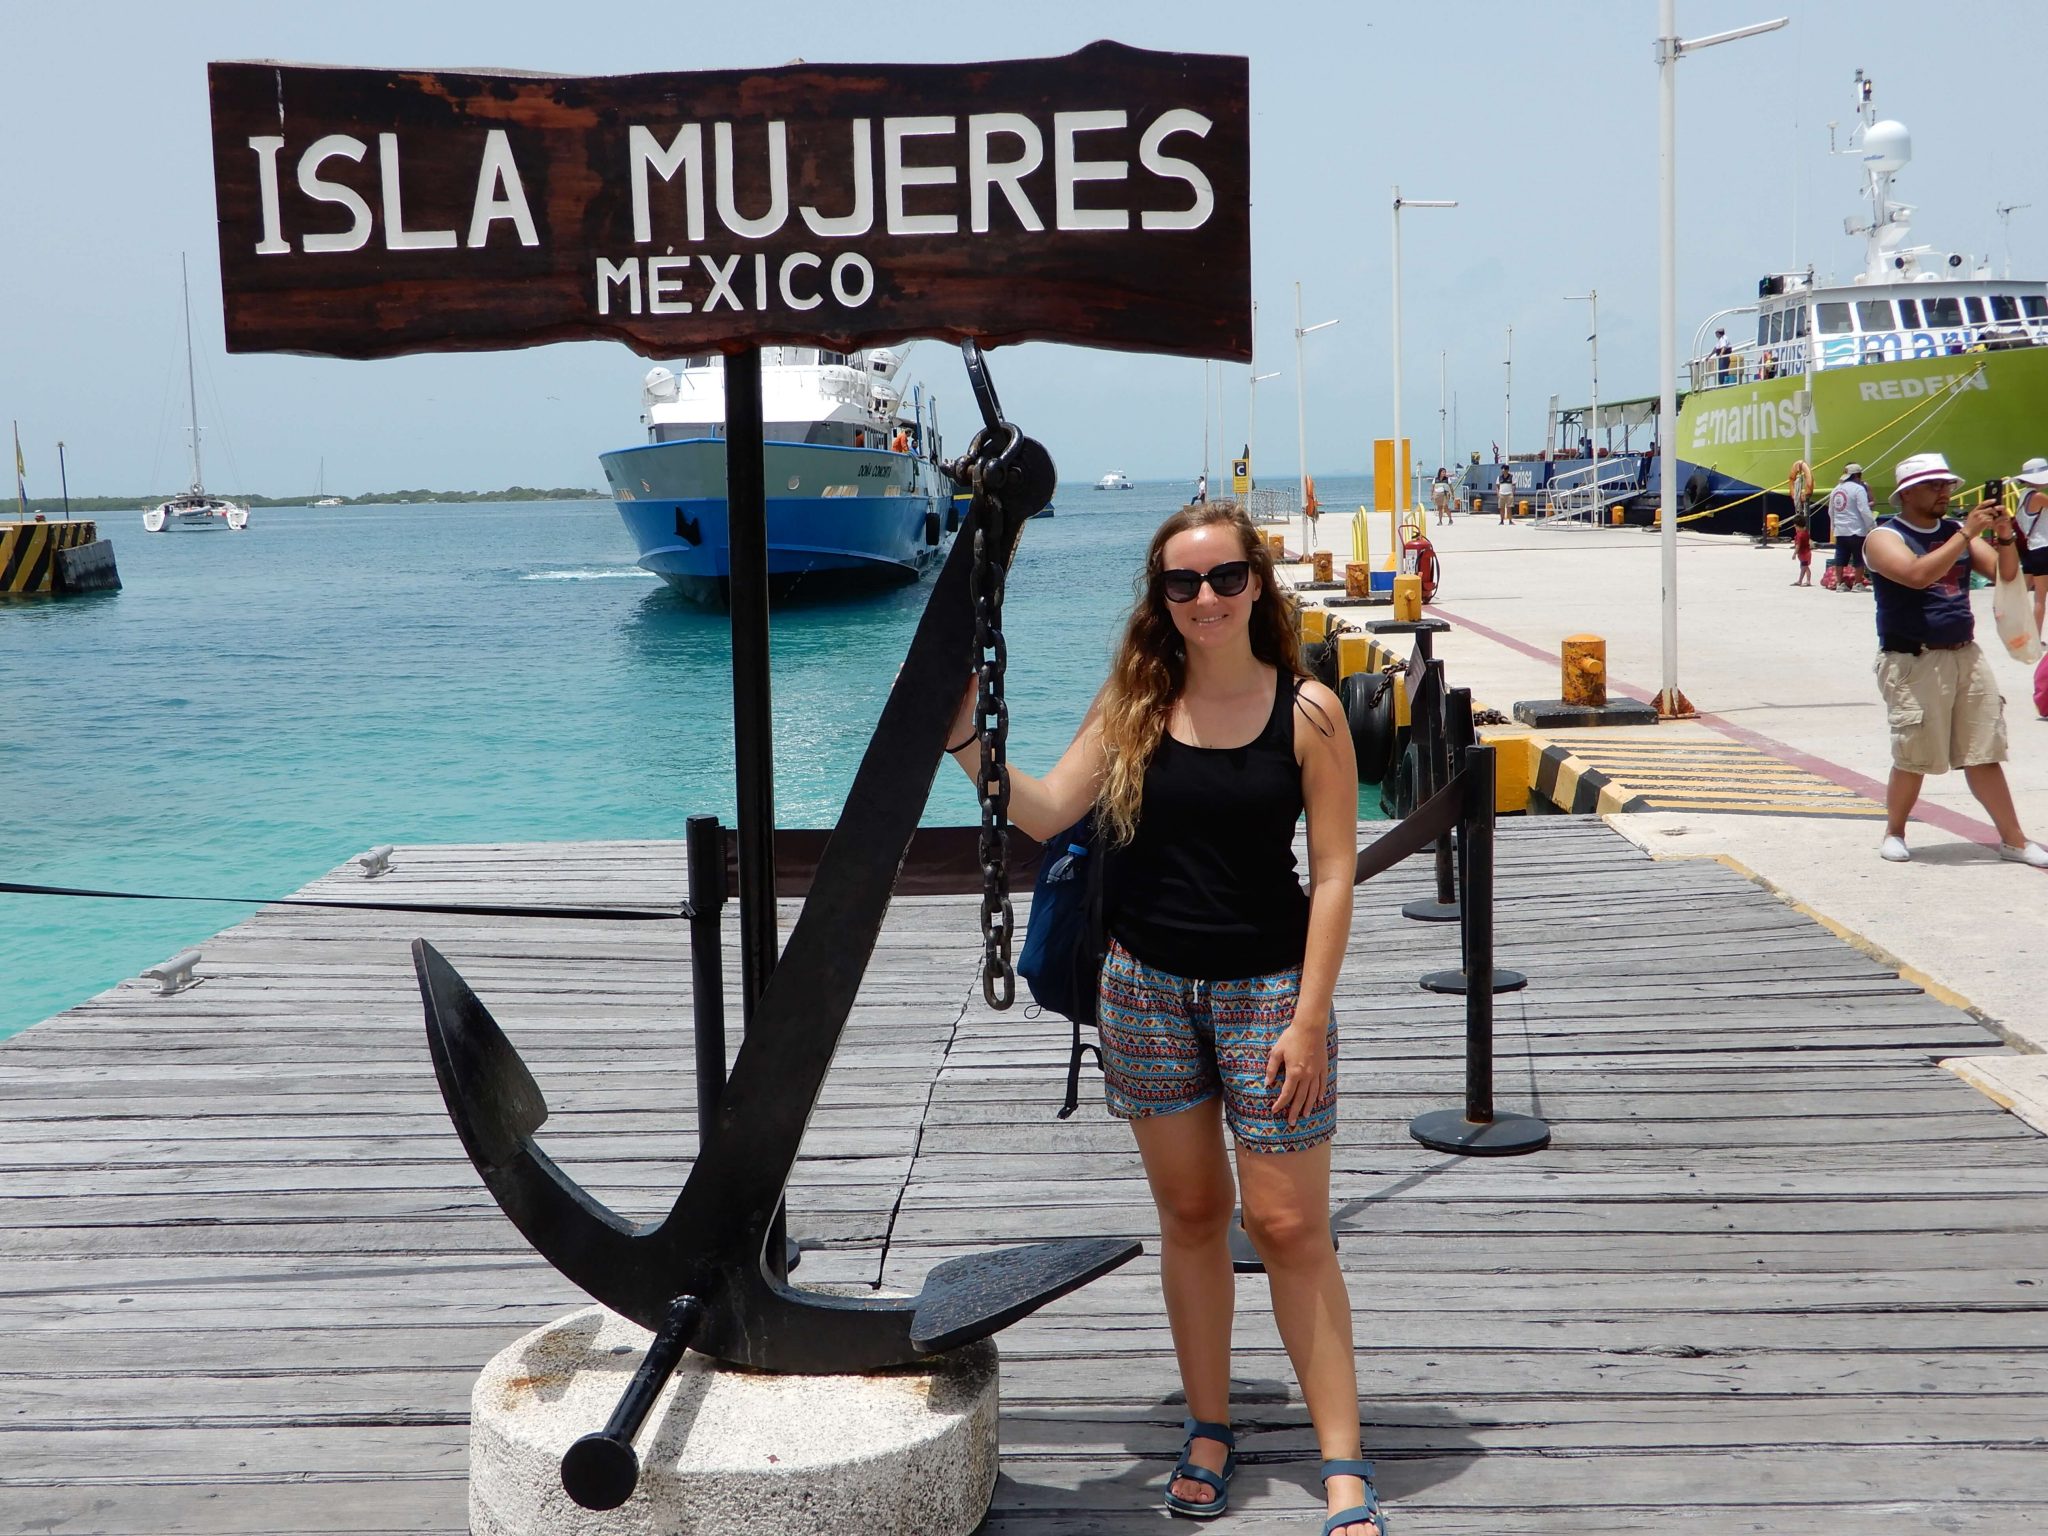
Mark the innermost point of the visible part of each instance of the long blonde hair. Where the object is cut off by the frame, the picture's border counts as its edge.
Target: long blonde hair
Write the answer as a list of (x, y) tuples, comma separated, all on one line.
[(1151, 665)]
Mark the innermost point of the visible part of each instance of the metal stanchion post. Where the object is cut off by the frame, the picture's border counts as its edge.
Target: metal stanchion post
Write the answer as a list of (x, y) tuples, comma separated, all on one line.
[(1477, 1130), (1433, 765), (1460, 744), (704, 841)]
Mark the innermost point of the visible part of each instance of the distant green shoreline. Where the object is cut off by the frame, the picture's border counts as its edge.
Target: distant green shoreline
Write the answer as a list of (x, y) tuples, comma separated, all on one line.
[(54, 505)]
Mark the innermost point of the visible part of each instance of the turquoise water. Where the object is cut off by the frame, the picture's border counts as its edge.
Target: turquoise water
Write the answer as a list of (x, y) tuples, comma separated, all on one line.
[(251, 710)]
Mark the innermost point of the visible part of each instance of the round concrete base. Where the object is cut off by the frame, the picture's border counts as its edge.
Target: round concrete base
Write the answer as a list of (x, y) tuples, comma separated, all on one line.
[(730, 1451)]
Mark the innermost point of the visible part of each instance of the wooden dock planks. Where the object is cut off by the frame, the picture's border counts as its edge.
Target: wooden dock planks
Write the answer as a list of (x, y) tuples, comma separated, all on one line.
[(1778, 1273)]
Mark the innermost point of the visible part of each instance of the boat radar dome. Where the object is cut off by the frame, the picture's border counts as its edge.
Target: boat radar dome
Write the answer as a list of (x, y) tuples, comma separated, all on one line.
[(1887, 147), (659, 385)]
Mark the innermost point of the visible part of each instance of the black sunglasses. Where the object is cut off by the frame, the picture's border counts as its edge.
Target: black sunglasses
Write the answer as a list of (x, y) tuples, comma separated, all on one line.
[(1226, 580)]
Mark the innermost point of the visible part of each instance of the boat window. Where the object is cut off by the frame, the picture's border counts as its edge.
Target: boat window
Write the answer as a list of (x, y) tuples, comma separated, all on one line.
[(1799, 321), (1909, 313), (1763, 329), (831, 359), (1874, 314), (2004, 307), (1941, 312), (1834, 318), (2036, 305), (1777, 325), (1973, 309)]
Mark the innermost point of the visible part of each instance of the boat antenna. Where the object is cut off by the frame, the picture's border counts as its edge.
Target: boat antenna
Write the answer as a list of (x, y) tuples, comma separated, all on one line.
[(191, 385), (2005, 211)]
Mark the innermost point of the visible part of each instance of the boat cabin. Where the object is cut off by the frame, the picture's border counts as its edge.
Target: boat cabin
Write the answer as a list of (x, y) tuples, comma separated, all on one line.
[(808, 395), (1800, 326)]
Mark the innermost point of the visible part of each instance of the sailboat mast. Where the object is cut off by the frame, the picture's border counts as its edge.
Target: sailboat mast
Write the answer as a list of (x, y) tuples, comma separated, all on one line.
[(191, 387)]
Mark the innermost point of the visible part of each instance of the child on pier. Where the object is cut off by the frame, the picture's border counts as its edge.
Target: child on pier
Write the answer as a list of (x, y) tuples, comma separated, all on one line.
[(1203, 748), (1802, 551)]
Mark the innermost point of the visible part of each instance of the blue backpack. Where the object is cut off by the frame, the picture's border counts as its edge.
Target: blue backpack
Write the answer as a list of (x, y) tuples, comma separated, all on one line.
[(1068, 938)]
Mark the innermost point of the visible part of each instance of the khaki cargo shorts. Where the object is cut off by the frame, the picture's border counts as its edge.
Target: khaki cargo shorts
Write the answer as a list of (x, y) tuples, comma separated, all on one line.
[(1944, 708)]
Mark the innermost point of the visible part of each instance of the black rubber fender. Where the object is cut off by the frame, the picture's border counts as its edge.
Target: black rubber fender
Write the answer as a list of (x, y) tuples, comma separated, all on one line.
[(931, 529), (1694, 492), (1397, 794), (952, 517), (1368, 699)]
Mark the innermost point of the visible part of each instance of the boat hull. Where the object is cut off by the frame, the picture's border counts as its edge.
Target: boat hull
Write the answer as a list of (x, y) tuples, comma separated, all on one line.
[(1982, 410), (210, 516), (841, 521)]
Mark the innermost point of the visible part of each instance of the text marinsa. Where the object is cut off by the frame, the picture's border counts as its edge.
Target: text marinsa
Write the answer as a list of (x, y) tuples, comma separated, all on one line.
[(1096, 217)]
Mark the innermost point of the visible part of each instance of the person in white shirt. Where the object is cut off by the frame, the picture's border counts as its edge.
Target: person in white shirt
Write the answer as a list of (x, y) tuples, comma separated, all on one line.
[(2032, 523), (1849, 521), (1440, 495), (1504, 493)]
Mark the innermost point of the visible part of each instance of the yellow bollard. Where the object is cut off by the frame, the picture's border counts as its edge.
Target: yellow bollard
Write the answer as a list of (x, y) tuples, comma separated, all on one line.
[(1585, 670), (1521, 509), (1478, 503), (1277, 543), (1614, 516), (1357, 579), (1408, 598), (1770, 525), (1322, 561)]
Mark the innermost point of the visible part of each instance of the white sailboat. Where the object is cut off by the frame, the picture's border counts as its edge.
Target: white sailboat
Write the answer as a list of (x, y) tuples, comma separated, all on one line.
[(320, 496), (195, 510)]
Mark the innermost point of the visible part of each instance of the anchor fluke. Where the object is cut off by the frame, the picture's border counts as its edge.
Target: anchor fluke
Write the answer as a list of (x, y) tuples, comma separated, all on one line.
[(977, 1294), (478, 1067)]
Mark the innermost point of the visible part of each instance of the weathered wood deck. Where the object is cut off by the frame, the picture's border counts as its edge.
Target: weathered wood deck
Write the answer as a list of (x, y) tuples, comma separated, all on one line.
[(1778, 1273)]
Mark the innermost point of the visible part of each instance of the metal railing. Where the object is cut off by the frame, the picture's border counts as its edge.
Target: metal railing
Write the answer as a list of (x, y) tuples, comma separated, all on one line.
[(1581, 497), (1273, 503)]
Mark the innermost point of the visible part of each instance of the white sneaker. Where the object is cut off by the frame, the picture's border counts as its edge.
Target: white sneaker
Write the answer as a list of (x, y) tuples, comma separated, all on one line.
[(2034, 856), (1895, 849)]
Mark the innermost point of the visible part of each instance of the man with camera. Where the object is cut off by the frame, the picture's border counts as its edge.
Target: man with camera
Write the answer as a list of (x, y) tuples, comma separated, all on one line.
[(1943, 703)]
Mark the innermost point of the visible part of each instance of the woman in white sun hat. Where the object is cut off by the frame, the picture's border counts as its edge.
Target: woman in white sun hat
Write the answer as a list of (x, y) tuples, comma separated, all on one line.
[(1943, 703), (2032, 519)]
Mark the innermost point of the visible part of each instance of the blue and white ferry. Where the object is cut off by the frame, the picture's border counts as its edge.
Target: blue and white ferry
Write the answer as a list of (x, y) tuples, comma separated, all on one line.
[(856, 500)]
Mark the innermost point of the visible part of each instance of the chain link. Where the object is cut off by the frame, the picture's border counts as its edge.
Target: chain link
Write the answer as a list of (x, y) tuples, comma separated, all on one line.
[(992, 727)]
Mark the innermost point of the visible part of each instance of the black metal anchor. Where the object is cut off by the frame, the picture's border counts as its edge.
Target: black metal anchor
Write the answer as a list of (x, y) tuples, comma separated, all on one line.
[(710, 1247)]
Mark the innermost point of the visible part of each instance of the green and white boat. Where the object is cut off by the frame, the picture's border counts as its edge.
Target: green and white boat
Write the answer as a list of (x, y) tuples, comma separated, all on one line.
[(1924, 350)]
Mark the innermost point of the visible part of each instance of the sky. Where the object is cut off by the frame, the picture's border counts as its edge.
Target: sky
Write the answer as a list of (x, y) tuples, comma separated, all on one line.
[(1540, 119)]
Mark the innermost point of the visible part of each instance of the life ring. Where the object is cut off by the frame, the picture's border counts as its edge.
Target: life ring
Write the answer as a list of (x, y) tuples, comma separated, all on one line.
[(1309, 505), (1799, 483)]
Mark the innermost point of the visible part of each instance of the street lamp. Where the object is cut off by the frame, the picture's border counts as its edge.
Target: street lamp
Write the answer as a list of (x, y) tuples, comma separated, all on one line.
[(1301, 410), (1593, 425), (1507, 403), (1251, 406), (1671, 703), (1399, 203)]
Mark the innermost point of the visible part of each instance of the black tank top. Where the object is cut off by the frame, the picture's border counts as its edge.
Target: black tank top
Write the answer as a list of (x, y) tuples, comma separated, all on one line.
[(1207, 888)]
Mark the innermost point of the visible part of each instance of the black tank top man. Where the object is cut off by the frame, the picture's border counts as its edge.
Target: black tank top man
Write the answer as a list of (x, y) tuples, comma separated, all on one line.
[(1207, 888)]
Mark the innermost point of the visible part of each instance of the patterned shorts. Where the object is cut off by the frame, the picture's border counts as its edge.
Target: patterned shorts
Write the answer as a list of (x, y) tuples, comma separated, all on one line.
[(1169, 1043)]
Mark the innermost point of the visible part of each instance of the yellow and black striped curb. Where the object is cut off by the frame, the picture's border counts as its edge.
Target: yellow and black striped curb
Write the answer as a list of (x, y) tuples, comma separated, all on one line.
[(28, 553), (1650, 769)]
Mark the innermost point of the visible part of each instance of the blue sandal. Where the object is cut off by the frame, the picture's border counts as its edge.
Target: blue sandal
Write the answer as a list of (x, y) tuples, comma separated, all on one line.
[(1358, 1514), (1208, 1510)]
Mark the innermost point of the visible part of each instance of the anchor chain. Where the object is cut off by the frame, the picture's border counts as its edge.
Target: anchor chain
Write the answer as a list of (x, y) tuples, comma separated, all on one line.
[(992, 728)]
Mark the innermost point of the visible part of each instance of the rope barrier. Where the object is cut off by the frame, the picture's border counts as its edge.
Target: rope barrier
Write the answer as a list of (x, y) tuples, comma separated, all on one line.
[(446, 909)]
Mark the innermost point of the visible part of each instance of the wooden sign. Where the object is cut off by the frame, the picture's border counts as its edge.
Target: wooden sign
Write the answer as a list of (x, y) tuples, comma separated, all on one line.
[(1101, 198)]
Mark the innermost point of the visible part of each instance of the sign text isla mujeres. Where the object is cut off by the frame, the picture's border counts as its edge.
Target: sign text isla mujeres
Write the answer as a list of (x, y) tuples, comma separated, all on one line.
[(1100, 199)]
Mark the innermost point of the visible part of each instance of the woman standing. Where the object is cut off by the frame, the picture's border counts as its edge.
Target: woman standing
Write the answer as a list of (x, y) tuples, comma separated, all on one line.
[(1202, 749), (2032, 523)]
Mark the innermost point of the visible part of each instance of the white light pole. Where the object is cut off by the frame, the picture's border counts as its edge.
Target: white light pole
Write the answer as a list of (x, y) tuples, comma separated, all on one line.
[(1593, 426), (1301, 409), (1507, 405), (1440, 409), (1671, 703), (1399, 203), (1251, 427)]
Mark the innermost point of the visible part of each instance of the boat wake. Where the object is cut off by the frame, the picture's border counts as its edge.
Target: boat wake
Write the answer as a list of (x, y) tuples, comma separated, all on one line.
[(602, 573)]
